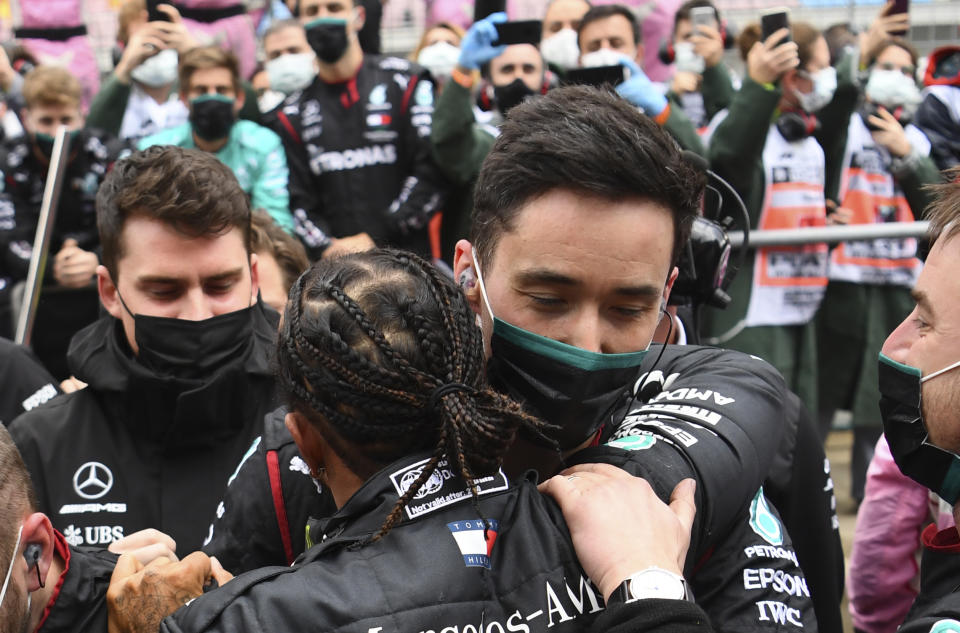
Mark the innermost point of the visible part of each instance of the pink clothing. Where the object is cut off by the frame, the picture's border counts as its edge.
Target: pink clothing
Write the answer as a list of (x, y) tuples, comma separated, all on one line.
[(657, 29), (76, 53), (884, 565), (235, 33)]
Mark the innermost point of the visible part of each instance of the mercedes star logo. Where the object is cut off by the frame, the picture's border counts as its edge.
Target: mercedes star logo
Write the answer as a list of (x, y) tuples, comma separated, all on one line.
[(92, 480)]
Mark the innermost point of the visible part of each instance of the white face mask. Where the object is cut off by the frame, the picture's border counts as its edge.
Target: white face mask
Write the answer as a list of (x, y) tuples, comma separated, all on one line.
[(686, 60), (561, 49), (269, 100), (439, 59), (824, 85), (159, 70), (892, 89), (602, 57), (291, 72)]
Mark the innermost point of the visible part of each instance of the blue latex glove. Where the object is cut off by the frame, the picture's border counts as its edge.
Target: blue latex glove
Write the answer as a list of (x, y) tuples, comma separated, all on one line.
[(640, 91), (477, 46)]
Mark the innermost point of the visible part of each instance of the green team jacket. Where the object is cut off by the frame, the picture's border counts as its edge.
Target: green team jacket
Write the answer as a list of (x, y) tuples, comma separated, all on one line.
[(716, 88)]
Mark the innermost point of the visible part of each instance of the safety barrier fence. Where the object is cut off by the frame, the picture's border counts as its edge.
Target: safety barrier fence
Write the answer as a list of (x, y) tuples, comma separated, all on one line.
[(831, 234)]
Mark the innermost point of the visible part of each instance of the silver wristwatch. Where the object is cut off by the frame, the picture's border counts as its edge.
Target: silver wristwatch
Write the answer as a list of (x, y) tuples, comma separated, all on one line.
[(652, 582)]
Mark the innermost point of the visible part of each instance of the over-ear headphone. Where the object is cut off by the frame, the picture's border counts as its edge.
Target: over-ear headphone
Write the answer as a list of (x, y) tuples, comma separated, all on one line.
[(667, 55), (796, 125), (704, 266)]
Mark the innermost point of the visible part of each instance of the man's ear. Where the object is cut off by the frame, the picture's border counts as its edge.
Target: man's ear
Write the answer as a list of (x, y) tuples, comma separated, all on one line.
[(465, 275), (308, 440), (240, 99), (38, 531), (254, 277), (359, 18), (639, 57), (109, 296), (668, 288), (25, 120)]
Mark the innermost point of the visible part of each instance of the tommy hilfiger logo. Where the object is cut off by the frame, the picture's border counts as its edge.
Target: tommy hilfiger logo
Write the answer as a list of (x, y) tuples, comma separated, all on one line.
[(474, 545)]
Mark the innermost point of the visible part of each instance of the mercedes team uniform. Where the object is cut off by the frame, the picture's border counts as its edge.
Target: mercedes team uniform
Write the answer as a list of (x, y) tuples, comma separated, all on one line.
[(715, 415), (359, 156), (504, 564), (135, 449)]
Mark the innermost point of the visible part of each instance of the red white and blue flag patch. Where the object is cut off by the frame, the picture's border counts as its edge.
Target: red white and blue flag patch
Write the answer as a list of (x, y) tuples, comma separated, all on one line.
[(470, 539)]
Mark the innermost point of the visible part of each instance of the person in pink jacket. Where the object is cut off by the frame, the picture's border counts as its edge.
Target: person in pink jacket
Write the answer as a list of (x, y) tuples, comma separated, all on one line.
[(54, 32), (223, 22), (884, 566)]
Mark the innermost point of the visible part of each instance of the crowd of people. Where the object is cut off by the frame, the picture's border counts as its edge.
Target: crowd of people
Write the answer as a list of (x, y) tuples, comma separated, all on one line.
[(329, 338)]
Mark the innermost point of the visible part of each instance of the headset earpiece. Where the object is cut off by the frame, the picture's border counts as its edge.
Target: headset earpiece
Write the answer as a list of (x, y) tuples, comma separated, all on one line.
[(32, 554)]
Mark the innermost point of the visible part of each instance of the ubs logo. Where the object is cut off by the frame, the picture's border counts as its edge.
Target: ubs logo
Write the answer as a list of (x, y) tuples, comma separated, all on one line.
[(92, 480)]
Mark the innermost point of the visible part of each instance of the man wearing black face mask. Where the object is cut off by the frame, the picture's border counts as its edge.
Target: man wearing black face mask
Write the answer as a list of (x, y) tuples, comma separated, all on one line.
[(210, 88), (179, 379), (918, 386), (570, 260), (460, 142), (52, 98), (357, 141)]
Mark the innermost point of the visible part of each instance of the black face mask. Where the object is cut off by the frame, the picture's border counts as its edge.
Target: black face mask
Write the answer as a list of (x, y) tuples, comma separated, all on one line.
[(511, 94), (573, 389), (44, 142), (212, 116), (901, 387), (192, 350), (328, 38), (563, 385)]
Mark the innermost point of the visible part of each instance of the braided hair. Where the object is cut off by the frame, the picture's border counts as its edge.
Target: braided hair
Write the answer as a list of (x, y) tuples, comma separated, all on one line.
[(381, 352)]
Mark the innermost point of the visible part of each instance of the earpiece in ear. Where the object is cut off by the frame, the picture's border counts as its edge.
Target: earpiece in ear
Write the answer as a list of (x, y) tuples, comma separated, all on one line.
[(468, 279), (32, 554)]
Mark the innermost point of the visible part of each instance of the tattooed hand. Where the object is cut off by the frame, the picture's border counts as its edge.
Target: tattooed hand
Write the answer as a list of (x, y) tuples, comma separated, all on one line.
[(140, 596)]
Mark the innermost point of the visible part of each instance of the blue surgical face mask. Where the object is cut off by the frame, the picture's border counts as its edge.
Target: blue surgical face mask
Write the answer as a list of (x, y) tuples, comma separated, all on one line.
[(901, 389), (566, 386)]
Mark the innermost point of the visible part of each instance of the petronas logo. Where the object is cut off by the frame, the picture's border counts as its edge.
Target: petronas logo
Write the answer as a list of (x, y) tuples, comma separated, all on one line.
[(634, 442), (764, 522)]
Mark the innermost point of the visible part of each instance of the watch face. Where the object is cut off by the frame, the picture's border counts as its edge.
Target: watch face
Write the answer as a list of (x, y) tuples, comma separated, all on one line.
[(657, 583)]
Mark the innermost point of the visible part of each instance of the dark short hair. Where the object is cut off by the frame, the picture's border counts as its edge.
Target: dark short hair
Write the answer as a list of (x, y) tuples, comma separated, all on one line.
[(188, 189), (683, 13), (588, 141), (604, 11), (17, 496), (267, 237)]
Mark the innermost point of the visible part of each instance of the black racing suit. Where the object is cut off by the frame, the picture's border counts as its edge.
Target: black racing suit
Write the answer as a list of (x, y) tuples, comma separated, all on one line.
[(135, 449), (437, 570), (719, 420), (359, 156), (78, 604), (937, 606), (22, 179), (26, 384)]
